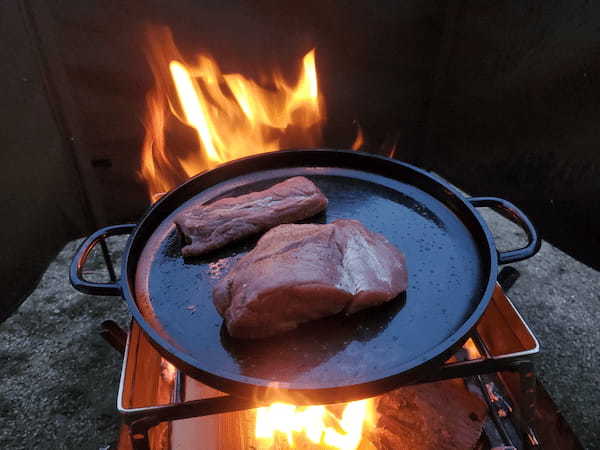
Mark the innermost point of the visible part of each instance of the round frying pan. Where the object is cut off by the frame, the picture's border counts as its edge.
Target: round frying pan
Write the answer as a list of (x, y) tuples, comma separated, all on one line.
[(451, 261)]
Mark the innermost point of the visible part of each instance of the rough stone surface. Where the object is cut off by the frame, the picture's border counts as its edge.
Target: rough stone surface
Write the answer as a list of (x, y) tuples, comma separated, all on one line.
[(59, 378), (560, 300)]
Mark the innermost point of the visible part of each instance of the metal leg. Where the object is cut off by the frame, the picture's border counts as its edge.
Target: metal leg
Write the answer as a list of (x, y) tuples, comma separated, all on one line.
[(507, 277), (114, 335), (108, 260), (140, 441), (140, 421), (138, 432)]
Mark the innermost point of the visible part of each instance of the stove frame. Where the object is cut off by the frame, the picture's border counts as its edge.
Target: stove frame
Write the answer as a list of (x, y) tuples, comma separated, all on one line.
[(496, 356)]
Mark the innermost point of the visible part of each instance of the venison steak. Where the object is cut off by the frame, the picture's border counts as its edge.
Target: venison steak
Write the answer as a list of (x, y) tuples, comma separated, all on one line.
[(297, 273), (209, 227)]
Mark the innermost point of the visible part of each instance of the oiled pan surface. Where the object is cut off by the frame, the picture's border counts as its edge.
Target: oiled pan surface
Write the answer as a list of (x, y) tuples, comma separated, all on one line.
[(448, 272)]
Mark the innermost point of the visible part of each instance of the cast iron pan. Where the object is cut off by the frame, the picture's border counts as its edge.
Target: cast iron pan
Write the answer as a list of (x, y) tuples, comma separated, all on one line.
[(452, 267)]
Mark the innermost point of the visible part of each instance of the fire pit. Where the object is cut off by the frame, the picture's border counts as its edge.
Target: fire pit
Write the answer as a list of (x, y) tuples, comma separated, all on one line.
[(496, 365)]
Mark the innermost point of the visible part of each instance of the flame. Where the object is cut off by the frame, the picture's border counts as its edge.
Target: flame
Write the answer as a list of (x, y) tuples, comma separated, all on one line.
[(471, 349), (392, 150), (359, 140), (167, 370), (319, 425), (216, 117)]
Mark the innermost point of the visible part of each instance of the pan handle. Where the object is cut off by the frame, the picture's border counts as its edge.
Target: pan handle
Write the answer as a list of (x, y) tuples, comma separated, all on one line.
[(81, 256), (515, 215)]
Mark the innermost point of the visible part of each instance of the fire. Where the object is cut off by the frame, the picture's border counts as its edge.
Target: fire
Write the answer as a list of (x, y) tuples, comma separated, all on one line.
[(359, 140), (471, 349), (167, 370), (318, 424), (229, 116)]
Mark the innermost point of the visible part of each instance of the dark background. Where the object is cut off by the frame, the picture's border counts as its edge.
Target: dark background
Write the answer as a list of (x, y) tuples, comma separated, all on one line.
[(499, 97)]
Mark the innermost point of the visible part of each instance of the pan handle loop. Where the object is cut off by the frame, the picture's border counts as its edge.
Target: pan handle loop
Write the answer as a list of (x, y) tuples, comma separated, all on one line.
[(515, 215), (81, 256)]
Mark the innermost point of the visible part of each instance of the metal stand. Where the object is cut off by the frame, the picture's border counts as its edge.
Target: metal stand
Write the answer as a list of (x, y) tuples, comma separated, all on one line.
[(108, 260), (474, 371)]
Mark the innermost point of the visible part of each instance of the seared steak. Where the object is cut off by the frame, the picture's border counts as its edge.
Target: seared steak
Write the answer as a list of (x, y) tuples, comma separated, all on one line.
[(212, 226), (298, 273)]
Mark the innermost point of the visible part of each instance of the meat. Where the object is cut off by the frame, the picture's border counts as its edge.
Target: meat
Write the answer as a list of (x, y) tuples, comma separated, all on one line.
[(212, 226), (298, 273)]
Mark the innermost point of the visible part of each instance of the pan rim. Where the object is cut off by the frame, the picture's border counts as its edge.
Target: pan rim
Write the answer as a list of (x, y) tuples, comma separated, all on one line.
[(302, 392)]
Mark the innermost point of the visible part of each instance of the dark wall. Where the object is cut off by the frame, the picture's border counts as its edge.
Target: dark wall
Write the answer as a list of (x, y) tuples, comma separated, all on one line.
[(516, 113), (77, 73), (376, 63), (40, 195)]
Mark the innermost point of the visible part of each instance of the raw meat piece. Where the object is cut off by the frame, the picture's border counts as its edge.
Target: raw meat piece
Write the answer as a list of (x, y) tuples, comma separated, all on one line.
[(299, 273), (212, 226)]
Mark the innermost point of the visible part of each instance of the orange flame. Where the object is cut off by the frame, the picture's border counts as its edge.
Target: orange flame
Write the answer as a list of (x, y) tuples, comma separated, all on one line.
[(359, 140), (319, 425), (471, 349), (229, 116), (167, 370)]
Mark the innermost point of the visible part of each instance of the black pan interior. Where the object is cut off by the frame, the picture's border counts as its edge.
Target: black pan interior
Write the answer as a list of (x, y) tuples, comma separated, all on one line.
[(448, 263)]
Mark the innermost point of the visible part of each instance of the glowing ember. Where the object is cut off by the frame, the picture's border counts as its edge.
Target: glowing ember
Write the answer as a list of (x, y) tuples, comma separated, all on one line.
[(319, 425), (232, 116)]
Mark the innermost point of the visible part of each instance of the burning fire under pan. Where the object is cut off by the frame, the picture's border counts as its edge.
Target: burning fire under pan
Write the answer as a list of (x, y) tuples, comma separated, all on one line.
[(211, 135)]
